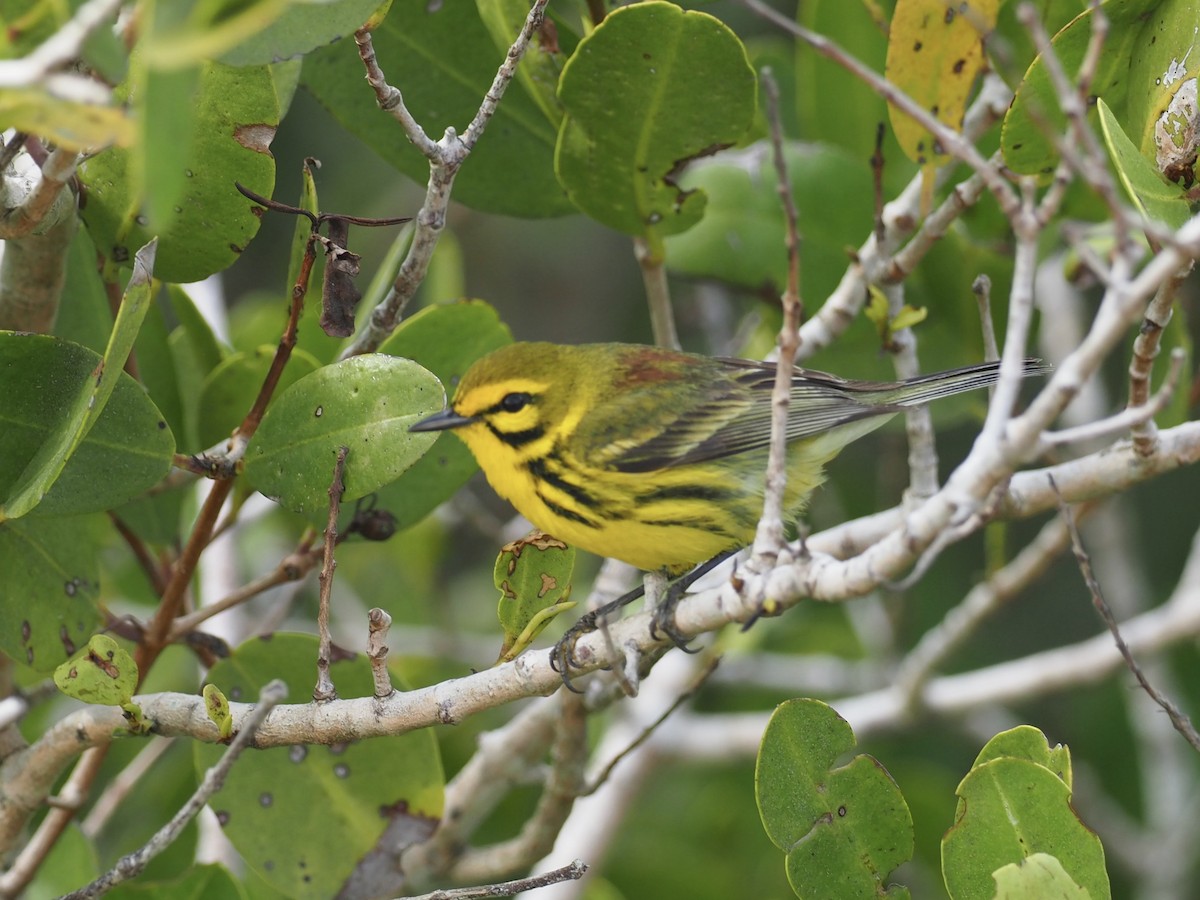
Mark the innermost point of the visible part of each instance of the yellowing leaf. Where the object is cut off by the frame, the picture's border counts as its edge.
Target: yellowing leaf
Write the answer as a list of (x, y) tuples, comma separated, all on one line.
[(935, 50)]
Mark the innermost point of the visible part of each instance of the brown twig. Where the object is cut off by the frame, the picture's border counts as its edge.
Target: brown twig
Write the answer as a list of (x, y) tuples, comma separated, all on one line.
[(319, 218), (324, 689), (877, 164)]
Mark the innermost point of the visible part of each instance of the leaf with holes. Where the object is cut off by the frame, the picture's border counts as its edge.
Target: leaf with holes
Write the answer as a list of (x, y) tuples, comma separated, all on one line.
[(49, 588), (843, 830), (533, 575)]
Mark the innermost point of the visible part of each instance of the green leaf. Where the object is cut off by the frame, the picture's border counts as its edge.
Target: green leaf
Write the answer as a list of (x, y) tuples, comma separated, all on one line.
[(216, 705), (741, 239), (533, 575), (365, 403), (1024, 140), (233, 113), (156, 366), (302, 27), (49, 589), (89, 400), (103, 673), (72, 862), (445, 339), (542, 64), (166, 123), (843, 829), (1039, 875), (200, 882), (1009, 809), (651, 88), (1154, 198), (51, 441), (267, 804), (87, 317), (444, 60), (1027, 742), (232, 387)]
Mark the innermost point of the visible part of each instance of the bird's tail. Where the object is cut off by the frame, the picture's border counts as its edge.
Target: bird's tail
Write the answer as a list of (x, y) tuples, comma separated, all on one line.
[(927, 388)]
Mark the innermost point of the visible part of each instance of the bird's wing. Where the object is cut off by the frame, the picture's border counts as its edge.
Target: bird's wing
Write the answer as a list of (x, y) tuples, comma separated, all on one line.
[(725, 413)]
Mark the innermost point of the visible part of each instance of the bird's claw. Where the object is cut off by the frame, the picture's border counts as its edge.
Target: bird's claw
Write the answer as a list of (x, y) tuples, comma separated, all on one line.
[(663, 626), (562, 654)]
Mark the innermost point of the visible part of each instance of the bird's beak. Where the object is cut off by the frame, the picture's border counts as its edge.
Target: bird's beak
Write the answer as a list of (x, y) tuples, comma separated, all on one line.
[(441, 421)]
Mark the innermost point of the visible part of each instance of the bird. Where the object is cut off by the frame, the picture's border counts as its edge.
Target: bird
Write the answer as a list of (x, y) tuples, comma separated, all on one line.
[(658, 457)]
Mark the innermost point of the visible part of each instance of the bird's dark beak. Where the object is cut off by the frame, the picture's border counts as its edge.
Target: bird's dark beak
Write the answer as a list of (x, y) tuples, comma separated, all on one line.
[(442, 421)]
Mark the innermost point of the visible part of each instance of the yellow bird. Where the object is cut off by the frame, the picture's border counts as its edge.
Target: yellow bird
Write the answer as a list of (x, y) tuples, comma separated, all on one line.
[(657, 457)]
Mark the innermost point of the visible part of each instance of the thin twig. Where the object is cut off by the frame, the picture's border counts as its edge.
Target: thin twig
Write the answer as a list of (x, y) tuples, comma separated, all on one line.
[(132, 864), (292, 567), (981, 287), (950, 140), (378, 623), (658, 293), (1084, 156), (769, 536), (1129, 419), (1179, 720), (445, 157), (324, 689), (572, 872), (1145, 349)]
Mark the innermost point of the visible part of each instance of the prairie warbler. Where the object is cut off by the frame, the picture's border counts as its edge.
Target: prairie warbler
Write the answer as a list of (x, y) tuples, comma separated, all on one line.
[(656, 457)]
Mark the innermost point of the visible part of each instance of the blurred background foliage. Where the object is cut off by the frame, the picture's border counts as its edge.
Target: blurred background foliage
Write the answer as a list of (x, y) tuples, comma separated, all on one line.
[(692, 828)]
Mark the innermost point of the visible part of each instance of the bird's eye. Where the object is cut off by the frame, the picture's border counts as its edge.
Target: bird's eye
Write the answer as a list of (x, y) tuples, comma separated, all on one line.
[(515, 402)]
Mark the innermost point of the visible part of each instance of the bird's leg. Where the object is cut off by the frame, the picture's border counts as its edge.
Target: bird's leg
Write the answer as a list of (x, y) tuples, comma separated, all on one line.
[(562, 655), (664, 613)]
